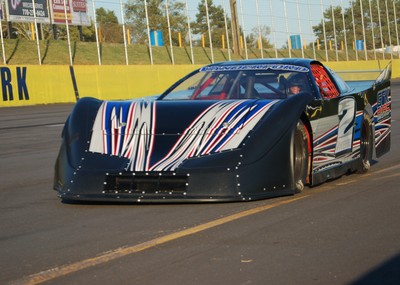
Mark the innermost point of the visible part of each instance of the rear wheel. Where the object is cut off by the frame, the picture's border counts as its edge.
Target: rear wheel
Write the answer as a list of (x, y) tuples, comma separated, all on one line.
[(301, 154), (366, 144)]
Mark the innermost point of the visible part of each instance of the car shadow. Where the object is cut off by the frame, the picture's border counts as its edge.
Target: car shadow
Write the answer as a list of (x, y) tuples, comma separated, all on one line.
[(387, 273)]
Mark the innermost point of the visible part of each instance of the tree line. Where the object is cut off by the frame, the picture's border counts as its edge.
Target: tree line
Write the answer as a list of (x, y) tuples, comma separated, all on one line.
[(110, 30), (369, 20)]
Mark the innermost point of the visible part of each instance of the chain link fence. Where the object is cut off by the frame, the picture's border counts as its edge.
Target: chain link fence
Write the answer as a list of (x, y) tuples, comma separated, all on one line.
[(327, 30)]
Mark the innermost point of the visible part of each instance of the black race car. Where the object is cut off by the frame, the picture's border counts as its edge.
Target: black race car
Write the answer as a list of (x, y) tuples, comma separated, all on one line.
[(231, 131)]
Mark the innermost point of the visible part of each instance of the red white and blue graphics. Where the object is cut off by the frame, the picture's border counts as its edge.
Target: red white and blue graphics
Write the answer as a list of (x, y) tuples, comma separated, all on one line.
[(131, 130), (231, 131), (382, 114), (337, 138)]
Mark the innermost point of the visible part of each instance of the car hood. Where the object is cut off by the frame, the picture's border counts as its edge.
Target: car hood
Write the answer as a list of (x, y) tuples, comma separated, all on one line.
[(160, 135)]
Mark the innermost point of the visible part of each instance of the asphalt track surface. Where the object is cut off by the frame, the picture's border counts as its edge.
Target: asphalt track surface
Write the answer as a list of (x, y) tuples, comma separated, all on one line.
[(346, 231)]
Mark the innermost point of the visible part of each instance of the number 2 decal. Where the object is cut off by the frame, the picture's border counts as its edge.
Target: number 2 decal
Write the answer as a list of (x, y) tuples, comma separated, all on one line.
[(346, 113)]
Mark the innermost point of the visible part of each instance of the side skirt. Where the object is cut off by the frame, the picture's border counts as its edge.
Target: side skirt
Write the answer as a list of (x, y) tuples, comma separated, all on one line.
[(334, 172)]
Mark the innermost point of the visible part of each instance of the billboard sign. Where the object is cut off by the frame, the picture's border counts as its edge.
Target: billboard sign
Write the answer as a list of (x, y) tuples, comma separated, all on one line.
[(22, 11), (76, 11)]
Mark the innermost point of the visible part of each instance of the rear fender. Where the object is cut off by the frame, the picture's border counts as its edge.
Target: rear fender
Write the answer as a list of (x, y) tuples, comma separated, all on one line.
[(381, 101), (385, 74)]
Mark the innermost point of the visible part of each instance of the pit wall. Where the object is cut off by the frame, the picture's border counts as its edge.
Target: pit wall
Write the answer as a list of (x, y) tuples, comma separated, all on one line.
[(49, 84)]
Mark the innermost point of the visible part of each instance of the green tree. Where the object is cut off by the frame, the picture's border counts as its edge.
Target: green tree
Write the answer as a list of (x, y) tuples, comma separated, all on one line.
[(156, 10), (109, 29), (253, 38), (24, 30), (88, 33), (217, 22), (330, 27), (370, 29)]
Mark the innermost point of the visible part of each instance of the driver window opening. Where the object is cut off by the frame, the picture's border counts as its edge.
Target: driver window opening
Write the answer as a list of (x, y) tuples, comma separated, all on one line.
[(326, 87)]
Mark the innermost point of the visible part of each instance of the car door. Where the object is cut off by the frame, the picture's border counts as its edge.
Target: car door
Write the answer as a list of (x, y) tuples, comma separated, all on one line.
[(334, 123)]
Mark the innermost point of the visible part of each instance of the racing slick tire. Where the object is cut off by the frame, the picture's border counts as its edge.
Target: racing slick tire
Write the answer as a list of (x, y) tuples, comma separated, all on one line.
[(301, 154), (366, 144)]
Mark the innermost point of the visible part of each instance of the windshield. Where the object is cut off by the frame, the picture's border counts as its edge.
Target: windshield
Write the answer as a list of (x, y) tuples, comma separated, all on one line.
[(220, 83)]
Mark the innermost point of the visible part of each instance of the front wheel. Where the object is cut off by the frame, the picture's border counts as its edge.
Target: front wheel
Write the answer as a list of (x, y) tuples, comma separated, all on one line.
[(300, 155)]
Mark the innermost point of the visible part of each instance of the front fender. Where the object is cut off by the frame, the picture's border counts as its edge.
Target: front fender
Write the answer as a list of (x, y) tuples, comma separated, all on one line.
[(278, 122)]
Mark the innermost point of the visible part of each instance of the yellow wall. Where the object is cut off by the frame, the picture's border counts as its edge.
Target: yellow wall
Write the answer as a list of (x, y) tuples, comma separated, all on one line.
[(31, 85), (48, 84), (372, 65), (125, 82)]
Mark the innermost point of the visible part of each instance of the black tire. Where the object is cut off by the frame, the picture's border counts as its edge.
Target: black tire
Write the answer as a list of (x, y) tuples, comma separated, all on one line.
[(366, 145), (300, 156)]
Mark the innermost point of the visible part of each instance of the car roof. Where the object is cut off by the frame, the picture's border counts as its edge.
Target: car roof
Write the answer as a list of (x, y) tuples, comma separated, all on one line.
[(296, 61)]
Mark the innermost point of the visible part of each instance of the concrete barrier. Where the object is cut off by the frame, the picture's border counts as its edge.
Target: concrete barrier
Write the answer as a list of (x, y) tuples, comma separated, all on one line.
[(49, 84), (363, 70), (125, 82), (32, 85)]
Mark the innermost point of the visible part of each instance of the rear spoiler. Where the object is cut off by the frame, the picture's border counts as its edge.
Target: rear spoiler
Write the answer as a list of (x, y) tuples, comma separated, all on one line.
[(385, 75)]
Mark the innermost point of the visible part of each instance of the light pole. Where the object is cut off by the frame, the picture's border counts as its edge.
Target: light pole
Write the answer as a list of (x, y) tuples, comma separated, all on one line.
[(235, 28)]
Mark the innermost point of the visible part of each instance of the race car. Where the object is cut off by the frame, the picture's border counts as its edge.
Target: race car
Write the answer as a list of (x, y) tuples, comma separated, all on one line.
[(230, 131)]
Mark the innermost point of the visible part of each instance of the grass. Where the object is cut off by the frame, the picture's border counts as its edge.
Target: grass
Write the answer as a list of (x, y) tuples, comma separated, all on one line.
[(56, 52)]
